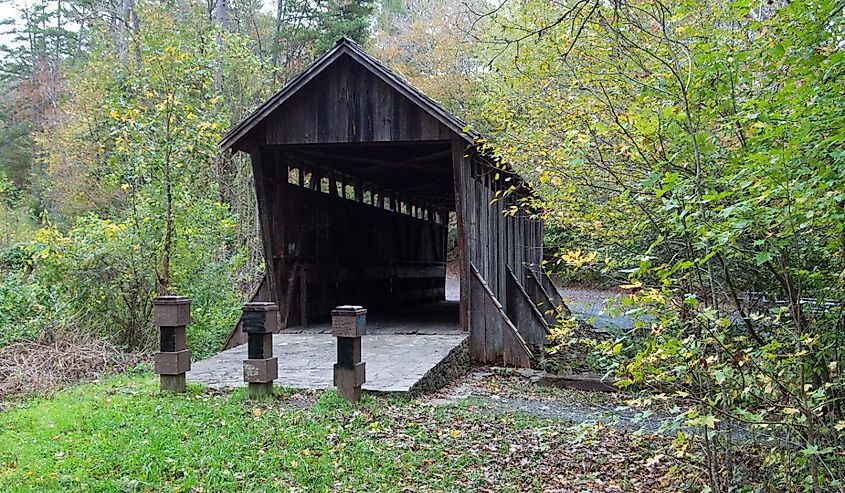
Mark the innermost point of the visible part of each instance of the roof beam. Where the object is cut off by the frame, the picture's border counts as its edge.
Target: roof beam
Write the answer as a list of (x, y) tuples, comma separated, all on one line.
[(377, 163)]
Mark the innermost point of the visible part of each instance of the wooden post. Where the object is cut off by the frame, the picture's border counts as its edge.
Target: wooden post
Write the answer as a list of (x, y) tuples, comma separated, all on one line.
[(303, 296), (260, 367), (460, 171), (349, 323), (264, 216), (171, 315), (359, 191)]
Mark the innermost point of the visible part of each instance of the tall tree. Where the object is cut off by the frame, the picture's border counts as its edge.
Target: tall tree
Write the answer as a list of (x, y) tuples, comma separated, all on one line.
[(343, 18)]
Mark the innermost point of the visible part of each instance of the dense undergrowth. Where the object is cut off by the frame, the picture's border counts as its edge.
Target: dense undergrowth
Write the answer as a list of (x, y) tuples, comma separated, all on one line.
[(98, 278), (692, 152)]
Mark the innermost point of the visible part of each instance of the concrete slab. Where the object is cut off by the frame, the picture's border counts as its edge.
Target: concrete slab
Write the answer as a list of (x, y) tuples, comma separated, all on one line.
[(395, 362)]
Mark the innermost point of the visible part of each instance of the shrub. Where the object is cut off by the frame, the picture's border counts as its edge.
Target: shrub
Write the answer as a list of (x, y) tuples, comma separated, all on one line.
[(102, 275)]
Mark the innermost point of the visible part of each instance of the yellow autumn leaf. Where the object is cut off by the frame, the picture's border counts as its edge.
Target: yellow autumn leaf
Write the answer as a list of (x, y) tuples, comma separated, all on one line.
[(654, 460), (575, 258), (632, 285), (544, 178)]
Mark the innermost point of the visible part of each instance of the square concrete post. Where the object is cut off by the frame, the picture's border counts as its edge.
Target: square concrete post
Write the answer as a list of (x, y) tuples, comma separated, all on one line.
[(171, 314), (349, 323), (260, 367)]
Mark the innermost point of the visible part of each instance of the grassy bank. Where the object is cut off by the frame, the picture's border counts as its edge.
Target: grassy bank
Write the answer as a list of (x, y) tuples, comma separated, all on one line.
[(123, 435)]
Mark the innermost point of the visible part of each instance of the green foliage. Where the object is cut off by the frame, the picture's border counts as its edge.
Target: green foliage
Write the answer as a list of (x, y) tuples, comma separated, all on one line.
[(16, 224), (16, 136), (696, 150), (104, 273), (24, 312), (99, 277), (134, 181), (114, 129), (10, 195), (343, 18)]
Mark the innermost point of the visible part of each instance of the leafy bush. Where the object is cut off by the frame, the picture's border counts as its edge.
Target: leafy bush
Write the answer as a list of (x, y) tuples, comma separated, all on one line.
[(101, 274), (23, 312), (134, 188), (16, 224)]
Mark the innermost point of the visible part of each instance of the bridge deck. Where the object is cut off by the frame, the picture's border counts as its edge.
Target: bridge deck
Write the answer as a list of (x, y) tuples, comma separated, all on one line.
[(405, 351)]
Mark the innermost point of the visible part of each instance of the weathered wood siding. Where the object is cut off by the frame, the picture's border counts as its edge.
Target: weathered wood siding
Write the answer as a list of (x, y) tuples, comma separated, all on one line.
[(350, 104), (525, 315), (494, 337), (356, 173), (494, 243)]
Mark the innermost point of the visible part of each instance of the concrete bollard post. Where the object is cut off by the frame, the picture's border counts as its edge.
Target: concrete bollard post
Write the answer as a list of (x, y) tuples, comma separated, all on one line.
[(171, 314), (349, 323), (260, 367)]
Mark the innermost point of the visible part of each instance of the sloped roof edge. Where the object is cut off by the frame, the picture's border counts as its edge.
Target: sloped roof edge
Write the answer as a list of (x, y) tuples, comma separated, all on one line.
[(352, 49)]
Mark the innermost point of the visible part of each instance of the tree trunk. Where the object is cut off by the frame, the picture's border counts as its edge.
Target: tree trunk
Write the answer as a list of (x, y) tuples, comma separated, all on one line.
[(164, 278), (222, 16), (58, 34), (123, 32), (136, 29), (277, 48)]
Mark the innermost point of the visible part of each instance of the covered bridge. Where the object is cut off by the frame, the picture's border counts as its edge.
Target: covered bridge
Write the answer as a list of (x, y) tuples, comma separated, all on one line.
[(356, 174)]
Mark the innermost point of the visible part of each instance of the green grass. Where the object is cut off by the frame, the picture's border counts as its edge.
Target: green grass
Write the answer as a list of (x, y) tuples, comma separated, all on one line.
[(124, 435)]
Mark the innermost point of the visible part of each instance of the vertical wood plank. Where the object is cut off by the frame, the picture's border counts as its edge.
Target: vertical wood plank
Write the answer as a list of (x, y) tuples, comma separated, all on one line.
[(478, 339), (264, 217), (483, 228), (493, 346), (359, 191), (502, 238), (472, 209), (459, 171)]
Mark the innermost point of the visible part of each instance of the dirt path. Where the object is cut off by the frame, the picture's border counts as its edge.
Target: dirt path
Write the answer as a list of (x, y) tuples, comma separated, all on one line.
[(499, 390), (603, 308)]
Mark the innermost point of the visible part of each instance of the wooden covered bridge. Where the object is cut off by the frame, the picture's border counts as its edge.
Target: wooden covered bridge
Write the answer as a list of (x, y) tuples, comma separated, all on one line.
[(357, 174)]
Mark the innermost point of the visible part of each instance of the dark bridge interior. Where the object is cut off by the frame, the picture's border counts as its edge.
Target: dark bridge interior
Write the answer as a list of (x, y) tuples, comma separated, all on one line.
[(358, 224), (421, 171)]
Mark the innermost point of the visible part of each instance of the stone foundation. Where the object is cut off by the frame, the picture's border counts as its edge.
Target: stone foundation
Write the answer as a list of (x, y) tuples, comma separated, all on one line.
[(457, 363)]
